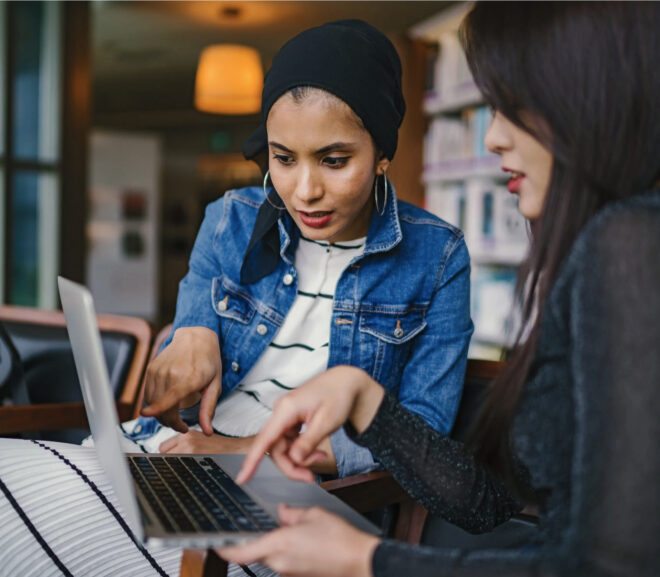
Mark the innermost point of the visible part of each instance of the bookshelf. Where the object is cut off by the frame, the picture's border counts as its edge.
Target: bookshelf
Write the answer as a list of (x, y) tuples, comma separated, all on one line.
[(463, 183)]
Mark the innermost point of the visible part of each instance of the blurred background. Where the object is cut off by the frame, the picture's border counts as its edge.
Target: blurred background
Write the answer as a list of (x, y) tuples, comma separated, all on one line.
[(114, 136)]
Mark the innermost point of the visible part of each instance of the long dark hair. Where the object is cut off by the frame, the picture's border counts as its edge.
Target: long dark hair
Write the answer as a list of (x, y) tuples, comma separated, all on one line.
[(587, 72)]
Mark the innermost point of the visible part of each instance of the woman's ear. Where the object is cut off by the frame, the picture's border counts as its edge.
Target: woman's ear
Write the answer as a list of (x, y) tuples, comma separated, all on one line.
[(382, 165)]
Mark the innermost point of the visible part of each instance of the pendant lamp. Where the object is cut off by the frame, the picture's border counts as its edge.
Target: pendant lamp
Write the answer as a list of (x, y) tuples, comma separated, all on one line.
[(229, 80)]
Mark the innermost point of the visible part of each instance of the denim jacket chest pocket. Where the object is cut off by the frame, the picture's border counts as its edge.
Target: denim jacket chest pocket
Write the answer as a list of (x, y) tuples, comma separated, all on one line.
[(235, 312), (386, 337)]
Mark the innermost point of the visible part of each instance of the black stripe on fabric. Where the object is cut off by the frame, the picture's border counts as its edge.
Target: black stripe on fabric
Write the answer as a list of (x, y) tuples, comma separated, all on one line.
[(255, 397), (218, 432), (327, 244), (324, 244), (314, 295), (247, 571), (277, 383), (107, 503), (35, 532), (348, 246), (294, 345)]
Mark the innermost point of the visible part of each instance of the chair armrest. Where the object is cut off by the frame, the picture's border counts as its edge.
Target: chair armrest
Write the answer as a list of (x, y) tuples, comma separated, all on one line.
[(18, 419), (202, 563), (50, 417), (371, 491), (367, 491)]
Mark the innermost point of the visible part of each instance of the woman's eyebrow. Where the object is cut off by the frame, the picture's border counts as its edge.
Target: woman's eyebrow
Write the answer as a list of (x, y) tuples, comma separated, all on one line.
[(335, 146), (280, 146), (320, 151)]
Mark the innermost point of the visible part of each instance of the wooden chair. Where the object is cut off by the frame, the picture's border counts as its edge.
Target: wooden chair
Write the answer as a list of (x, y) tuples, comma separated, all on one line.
[(160, 338), (43, 360), (372, 491)]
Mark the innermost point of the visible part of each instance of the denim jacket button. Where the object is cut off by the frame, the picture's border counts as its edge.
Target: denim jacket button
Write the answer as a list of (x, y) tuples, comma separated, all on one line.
[(262, 329), (398, 332), (222, 305), (235, 366), (288, 279)]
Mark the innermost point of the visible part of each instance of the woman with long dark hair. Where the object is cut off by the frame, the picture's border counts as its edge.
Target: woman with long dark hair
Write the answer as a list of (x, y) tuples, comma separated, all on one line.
[(573, 423)]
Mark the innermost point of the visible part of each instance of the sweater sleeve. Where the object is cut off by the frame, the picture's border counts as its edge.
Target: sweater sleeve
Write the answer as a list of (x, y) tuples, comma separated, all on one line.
[(194, 305), (436, 470)]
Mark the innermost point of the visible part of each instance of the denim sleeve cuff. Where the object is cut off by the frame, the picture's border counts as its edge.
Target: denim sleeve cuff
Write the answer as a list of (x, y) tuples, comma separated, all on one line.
[(190, 415), (351, 458)]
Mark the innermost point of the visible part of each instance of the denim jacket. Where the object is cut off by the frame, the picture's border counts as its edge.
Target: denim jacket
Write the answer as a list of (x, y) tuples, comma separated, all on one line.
[(400, 311)]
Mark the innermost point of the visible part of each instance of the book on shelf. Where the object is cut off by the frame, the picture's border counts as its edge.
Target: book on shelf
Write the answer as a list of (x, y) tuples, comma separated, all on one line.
[(448, 202), (456, 143), (452, 77), (492, 304), (431, 54), (448, 81), (495, 230)]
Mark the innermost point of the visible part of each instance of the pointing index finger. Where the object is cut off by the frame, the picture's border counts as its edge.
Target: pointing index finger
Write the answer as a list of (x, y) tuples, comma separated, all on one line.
[(264, 441)]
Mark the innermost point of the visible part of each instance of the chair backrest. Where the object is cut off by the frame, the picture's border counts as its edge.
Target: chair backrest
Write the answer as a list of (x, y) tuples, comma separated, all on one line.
[(12, 380), (41, 341), (160, 338), (478, 375)]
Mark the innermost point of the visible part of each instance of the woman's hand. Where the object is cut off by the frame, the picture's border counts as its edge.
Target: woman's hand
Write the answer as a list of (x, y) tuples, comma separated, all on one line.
[(187, 370), (322, 404), (196, 442), (311, 543)]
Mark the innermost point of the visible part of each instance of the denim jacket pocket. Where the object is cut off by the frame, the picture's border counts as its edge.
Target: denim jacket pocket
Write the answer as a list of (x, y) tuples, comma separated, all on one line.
[(386, 337), (235, 312), (230, 303)]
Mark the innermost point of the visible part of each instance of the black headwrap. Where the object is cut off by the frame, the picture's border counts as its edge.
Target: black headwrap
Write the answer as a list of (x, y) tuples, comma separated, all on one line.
[(350, 59)]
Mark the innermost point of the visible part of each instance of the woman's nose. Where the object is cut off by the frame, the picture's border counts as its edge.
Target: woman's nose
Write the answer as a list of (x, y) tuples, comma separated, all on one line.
[(308, 187), (496, 138)]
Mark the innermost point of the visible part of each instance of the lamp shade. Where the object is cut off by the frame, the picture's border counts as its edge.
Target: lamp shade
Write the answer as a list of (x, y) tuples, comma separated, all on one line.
[(229, 80)]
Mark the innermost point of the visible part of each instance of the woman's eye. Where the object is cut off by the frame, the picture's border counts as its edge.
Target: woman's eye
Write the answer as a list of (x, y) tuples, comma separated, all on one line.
[(283, 158), (335, 161)]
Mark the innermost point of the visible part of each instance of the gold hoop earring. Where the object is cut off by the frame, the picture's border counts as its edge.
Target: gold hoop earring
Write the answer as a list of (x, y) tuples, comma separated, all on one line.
[(266, 194), (381, 210)]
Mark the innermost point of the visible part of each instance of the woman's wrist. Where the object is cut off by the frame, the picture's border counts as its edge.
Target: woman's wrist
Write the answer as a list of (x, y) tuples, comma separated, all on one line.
[(364, 554), (194, 334), (368, 398)]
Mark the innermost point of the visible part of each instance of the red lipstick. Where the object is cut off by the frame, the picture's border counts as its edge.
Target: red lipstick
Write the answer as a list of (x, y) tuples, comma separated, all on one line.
[(514, 184), (317, 219), (515, 180)]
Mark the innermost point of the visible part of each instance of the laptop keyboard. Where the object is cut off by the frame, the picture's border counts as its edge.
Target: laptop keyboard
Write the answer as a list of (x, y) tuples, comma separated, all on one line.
[(189, 494)]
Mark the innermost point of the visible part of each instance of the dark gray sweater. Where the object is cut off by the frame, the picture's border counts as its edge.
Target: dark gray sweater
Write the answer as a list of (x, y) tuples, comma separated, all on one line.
[(587, 428)]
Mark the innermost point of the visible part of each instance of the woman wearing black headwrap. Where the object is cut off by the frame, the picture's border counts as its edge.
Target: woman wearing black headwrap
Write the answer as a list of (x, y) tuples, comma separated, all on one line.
[(327, 269)]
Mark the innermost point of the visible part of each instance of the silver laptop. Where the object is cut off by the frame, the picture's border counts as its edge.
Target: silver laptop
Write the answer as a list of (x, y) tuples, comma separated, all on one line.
[(178, 500)]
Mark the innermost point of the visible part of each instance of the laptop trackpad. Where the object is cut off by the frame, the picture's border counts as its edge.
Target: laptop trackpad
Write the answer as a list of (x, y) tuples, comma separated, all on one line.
[(270, 487)]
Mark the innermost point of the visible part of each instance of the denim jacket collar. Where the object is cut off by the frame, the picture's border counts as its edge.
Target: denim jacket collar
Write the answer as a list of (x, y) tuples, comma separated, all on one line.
[(384, 230)]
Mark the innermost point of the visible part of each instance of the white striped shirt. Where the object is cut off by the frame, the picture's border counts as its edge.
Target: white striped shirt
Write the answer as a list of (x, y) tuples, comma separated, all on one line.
[(299, 349)]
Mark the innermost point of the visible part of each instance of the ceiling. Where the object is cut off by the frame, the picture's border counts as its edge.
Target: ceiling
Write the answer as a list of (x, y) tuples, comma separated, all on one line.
[(144, 53)]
